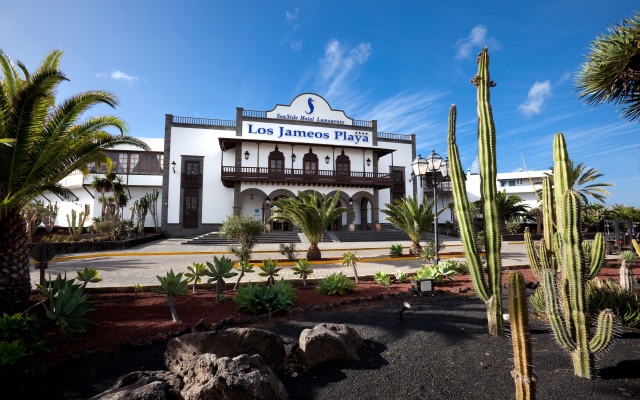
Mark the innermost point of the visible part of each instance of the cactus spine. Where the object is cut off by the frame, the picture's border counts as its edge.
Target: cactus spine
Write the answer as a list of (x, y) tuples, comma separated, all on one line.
[(523, 375), (76, 224), (564, 279), (488, 289)]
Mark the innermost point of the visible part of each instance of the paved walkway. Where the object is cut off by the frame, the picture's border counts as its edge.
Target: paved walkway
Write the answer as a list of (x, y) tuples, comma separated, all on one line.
[(141, 264)]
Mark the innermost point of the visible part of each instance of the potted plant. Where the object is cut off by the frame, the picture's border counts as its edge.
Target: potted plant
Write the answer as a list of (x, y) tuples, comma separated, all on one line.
[(351, 216)]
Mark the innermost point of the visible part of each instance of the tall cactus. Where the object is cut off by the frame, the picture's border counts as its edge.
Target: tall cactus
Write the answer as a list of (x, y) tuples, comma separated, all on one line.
[(564, 270), (523, 375), (487, 282)]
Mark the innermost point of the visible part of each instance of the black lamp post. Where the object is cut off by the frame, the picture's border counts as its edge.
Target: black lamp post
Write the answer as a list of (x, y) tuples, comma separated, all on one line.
[(439, 172)]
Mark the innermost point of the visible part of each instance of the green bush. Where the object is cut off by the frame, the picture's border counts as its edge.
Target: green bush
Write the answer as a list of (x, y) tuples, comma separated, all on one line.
[(382, 278), (288, 250), (18, 337), (438, 273), (601, 295), (396, 249), (335, 284), (243, 229), (262, 299)]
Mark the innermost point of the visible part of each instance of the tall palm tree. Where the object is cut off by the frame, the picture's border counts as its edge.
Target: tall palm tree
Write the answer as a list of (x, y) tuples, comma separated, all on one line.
[(41, 143), (310, 217), (414, 218), (611, 73), (583, 180)]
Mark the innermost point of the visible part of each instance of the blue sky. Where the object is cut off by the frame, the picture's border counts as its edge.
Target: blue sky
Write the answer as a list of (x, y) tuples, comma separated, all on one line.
[(403, 63)]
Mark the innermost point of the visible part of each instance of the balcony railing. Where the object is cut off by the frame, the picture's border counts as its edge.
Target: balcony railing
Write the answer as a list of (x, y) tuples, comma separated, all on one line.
[(204, 121), (191, 181), (231, 174)]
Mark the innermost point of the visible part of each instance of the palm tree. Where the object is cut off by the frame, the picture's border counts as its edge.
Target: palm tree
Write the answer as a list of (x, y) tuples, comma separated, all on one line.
[(508, 206), (310, 217), (583, 181), (612, 70), (414, 218), (42, 142)]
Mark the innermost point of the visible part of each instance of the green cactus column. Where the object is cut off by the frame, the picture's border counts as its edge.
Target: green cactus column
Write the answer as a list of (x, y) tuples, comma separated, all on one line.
[(486, 282), (523, 375)]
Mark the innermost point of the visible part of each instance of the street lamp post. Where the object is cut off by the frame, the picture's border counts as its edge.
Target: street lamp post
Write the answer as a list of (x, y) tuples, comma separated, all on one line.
[(439, 171)]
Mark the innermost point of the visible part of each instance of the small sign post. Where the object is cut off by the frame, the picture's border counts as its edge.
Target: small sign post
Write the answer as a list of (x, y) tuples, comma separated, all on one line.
[(43, 252)]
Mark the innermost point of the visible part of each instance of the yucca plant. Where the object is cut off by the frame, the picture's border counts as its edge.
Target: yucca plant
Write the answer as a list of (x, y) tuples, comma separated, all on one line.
[(195, 273), (245, 267), (302, 268), (350, 259), (269, 269), (218, 271), (173, 286), (382, 278), (88, 275)]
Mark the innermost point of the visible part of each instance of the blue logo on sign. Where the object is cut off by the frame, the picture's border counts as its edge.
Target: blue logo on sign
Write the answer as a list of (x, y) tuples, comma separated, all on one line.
[(310, 106)]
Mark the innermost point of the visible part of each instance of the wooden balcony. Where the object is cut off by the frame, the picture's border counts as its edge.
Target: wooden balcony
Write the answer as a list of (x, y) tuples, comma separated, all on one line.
[(294, 176)]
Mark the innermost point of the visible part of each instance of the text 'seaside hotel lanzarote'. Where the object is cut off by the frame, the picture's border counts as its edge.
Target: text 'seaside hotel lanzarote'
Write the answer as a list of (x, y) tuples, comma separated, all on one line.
[(225, 166)]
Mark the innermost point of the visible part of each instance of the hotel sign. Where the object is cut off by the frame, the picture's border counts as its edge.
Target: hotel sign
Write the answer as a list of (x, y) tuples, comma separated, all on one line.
[(310, 107), (302, 134)]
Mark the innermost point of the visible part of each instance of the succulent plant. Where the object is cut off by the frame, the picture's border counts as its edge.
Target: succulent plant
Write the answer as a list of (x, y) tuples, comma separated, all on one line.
[(523, 375), (218, 271), (302, 268)]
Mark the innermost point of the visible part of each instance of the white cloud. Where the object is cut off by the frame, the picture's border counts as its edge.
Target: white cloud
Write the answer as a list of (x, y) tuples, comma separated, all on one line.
[(119, 75), (296, 45), (538, 94), (291, 16), (476, 40), (338, 64)]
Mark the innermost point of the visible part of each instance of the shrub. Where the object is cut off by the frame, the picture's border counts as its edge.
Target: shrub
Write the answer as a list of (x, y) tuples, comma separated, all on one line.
[(382, 278), (396, 249), (270, 270), (401, 276), (288, 250), (173, 286), (438, 273), (335, 284), (262, 299), (428, 251), (462, 268), (303, 268), (18, 337), (243, 229)]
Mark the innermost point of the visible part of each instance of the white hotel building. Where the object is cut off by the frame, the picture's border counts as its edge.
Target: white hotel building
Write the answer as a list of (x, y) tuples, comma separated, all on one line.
[(206, 169)]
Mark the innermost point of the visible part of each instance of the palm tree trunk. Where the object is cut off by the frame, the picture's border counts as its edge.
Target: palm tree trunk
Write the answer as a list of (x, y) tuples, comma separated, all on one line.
[(313, 253), (15, 284)]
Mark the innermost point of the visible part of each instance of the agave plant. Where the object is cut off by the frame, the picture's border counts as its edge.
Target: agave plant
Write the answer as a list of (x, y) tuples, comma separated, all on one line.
[(88, 275), (245, 267), (270, 270), (401, 276), (173, 286), (382, 278), (220, 269), (396, 249), (195, 273), (302, 268), (65, 304), (350, 259)]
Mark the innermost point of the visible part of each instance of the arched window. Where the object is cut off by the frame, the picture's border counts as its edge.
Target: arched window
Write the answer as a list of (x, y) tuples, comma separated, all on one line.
[(276, 162), (310, 163), (343, 165)]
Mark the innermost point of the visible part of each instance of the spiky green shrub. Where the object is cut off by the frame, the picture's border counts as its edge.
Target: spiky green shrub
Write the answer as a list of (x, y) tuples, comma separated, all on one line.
[(269, 269), (173, 286), (245, 267), (395, 250), (438, 273), (401, 276), (195, 273), (218, 272), (302, 268), (350, 259), (625, 304), (335, 284), (262, 299), (65, 304), (462, 268), (18, 337), (88, 275), (382, 278), (487, 281)]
